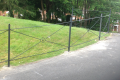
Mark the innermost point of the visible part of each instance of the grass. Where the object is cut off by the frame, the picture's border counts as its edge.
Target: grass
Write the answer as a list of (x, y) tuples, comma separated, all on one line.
[(20, 42)]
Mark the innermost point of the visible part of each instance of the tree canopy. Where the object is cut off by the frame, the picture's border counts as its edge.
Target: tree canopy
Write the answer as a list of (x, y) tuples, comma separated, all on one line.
[(31, 8)]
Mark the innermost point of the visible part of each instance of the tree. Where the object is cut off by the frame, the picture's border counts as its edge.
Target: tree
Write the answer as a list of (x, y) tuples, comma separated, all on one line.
[(21, 6), (54, 6), (43, 10), (30, 8)]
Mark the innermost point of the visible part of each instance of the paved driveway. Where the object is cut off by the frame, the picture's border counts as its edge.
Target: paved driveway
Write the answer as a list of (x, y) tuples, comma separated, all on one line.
[(100, 61)]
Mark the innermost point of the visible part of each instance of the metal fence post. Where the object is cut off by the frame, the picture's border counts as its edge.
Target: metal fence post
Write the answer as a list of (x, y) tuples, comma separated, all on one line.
[(9, 45), (100, 26), (109, 21), (70, 31)]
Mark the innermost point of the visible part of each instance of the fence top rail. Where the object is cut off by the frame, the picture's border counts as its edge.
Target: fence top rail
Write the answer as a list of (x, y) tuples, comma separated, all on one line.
[(28, 27), (4, 30), (90, 18), (37, 26), (106, 16), (86, 19), (63, 23), (91, 10), (55, 24)]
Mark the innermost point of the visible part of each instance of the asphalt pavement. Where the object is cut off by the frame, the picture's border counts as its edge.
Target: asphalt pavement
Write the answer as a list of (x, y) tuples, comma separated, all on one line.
[(100, 61)]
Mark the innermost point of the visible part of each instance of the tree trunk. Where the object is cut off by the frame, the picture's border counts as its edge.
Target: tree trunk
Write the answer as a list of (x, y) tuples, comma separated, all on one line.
[(85, 13), (77, 3), (89, 17), (88, 12), (56, 19), (10, 10), (49, 18), (48, 7), (43, 11)]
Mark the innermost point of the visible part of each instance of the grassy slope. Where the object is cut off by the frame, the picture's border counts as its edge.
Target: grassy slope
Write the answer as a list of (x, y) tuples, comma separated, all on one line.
[(20, 43)]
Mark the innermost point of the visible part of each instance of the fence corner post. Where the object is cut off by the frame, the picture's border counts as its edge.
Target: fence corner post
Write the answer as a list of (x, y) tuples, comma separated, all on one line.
[(70, 31), (8, 45), (100, 26)]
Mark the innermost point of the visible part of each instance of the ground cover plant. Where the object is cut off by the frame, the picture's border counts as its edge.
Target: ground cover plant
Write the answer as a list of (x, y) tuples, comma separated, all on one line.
[(41, 41)]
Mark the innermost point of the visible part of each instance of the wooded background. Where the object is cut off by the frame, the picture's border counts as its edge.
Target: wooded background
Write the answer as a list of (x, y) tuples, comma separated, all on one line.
[(31, 8)]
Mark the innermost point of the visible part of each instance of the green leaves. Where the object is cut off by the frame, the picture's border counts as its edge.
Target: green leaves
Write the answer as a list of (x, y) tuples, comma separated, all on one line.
[(29, 8)]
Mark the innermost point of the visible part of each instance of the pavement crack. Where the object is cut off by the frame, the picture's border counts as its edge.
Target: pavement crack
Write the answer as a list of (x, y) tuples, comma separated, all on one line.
[(38, 73)]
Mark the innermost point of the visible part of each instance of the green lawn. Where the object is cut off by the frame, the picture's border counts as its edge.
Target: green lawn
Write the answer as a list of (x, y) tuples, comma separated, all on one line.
[(43, 36)]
